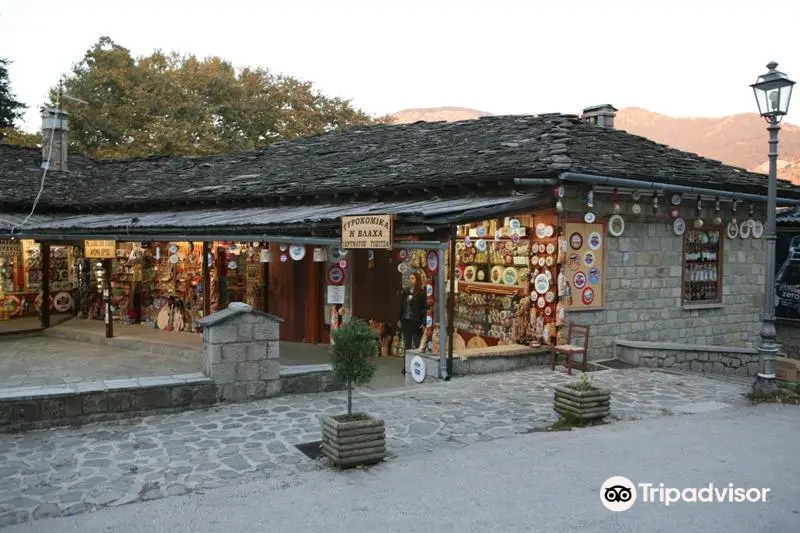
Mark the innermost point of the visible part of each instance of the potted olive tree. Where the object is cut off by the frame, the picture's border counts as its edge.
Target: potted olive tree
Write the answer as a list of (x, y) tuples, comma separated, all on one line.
[(353, 438), (582, 400)]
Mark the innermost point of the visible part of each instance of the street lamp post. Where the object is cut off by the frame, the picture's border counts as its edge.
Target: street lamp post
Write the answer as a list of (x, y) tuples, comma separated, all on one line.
[(773, 91)]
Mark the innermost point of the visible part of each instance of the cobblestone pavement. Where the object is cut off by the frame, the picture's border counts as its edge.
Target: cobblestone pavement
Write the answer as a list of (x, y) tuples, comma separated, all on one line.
[(42, 361), (69, 471)]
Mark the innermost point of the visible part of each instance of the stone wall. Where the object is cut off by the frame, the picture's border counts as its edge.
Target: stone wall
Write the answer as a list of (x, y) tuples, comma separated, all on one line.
[(697, 358), (789, 338), (643, 280)]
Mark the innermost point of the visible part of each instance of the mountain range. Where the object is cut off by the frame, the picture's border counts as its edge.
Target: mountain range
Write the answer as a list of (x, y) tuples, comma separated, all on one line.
[(737, 140)]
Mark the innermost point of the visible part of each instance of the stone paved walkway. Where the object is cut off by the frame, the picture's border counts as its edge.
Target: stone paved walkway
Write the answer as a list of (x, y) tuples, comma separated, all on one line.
[(69, 471)]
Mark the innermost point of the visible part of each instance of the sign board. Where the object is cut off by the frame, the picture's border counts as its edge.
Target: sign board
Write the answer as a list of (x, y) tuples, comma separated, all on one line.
[(367, 232), (100, 249), (787, 276), (336, 294), (418, 369)]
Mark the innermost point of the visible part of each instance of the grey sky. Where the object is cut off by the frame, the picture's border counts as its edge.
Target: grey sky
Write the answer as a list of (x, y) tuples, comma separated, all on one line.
[(682, 58)]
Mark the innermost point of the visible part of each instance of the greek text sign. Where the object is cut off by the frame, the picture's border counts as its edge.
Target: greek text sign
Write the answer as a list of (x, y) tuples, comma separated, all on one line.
[(367, 232), (100, 249)]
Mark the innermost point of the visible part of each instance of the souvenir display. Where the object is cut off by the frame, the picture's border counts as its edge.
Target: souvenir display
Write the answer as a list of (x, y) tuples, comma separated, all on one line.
[(732, 230), (702, 267), (678, 226), (583, 275), (744, 230), (758, 229), (616, 225)]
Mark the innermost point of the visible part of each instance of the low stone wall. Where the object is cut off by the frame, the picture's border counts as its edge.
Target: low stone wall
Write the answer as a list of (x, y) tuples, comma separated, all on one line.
[(482, 361), (308, 379), (37, 407), (723, 360)]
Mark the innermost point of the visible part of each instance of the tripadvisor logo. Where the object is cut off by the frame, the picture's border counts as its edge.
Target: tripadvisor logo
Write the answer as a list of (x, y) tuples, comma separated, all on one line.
[(619, 493)]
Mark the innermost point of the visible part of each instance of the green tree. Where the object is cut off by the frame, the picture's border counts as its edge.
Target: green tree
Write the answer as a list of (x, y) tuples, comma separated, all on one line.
[(10, 108), (168, 104), (354, 348)]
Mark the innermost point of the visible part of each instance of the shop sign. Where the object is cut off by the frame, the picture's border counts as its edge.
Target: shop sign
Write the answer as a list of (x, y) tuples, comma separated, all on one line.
[(335, 294), (418, 369), (100, 249), (367, 232)]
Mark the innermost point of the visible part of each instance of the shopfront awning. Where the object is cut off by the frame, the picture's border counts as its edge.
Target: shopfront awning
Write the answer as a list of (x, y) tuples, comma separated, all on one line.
[(412, 217)]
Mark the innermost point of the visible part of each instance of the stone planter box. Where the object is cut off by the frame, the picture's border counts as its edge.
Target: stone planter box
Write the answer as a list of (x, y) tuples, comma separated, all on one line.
[(585, 405), (352, 443)]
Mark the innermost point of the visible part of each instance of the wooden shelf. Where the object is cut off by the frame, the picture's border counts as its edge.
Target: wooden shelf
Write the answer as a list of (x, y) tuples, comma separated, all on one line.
[(490, 288)]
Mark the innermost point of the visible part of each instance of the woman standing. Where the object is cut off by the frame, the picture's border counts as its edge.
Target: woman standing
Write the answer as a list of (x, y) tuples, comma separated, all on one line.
[(412, 314)]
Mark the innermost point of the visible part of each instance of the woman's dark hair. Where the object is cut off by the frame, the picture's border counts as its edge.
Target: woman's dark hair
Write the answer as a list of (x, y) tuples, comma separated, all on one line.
[(416, 286)]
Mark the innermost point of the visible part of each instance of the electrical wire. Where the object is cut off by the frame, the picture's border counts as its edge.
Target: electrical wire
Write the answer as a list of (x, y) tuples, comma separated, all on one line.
[(46, 168)]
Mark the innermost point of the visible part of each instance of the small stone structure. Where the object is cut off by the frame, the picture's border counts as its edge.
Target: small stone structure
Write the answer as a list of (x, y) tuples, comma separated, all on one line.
[(724, 360), (241, 353)]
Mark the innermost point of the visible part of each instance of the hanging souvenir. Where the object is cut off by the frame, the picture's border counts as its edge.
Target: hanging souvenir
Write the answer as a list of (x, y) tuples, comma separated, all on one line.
[(589, 218), (561, 315), (265, 256), (174, 259), (674, 213), (595, 240), (594, 275), (541, 284), (559, 206), (698, 223), (732, 230), (655, 203), (284, 247), (636, 209), (284, 258), (336, 275), (563, 286), (579, 280), (343, 263), (616, 208), (480, 245), (744, 230), (636, 196), (319, 255), (402, 268), (678, 226), (576, 241), (297, 252), (158, 253), (675, 199), (432, 262), (758, 229), (616, 225), (560, 191), (717, 208)]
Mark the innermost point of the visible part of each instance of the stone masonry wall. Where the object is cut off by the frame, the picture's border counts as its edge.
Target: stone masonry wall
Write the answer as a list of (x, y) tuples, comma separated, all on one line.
[(736, 363), (643, 280), (241, 355)]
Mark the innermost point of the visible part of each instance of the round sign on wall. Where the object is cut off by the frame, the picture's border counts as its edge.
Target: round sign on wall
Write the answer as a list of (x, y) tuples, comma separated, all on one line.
[(417, 369), (335, 275)]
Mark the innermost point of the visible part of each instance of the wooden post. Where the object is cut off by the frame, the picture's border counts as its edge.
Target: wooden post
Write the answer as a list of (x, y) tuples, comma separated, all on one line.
[(451, 301), (206, 280), (44, 310), (107, 298)]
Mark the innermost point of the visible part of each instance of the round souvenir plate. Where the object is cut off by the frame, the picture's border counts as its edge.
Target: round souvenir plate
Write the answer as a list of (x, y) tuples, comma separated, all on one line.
[(510, 276), (588, 218), (428, 321), (297, 252), (587, 297), (576, 241), (497, 274), (574, 261), (11, 304), (541, 283), (636, 209), (470, 274), (459, 273), (551, 248), (506, 302), (173, 249), (732, 230), (515, 238), (174, 259), (62, 302), (343, 263), (284, 258), (542, 248), (541, 230), (233, 265), (498, 235), (402, 254), (579, 280), (550, 297), (676, 199), (535, 260), (548, 311), (595, 240), (480, 245), (524, 274), (744, 230), (542, 261), (481, 230), (549, 275), (540, 303), (403, 268), (548, 231), (616, 225), (481, 275), (335, 275), (588, 258), (429, 290), (549, 261), (514, 224), (758, 229), (594, 275), (432, 260), (679, 226)]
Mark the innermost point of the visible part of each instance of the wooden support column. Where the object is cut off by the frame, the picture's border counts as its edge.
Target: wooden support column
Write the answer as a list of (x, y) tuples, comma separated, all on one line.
[(451, 300), (313, 314), (206, 279), (44, 309), (107, 298)]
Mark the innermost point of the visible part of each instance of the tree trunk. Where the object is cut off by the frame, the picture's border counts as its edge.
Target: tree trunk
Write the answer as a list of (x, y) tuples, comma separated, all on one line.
[(349, 397)]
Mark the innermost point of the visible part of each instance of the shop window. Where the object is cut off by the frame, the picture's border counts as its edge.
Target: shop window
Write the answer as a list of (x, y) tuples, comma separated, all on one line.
[(702, 267)]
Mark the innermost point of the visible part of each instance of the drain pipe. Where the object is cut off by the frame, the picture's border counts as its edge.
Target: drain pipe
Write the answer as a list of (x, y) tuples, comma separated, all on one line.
[(653, 185)]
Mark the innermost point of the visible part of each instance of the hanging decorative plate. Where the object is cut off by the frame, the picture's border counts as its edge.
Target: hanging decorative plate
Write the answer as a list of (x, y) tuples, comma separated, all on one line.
[(285, 247), (548, 231), (402, 255), (616, 225), (576, 241), (429, 290), (744, 230), (470, 273), (542, 248), (535, 260), (515, 238), (432, 260), (549, 275), (587, 297), (265, 255), (732, 230), (231, 265), (497, 274), (758, 229), (510, 276), (588, 218), (210, 260), (284, 258), (174, 259), (498, 235), (481, 231), (548, 311), (459, 273), (551, 248), (541, 283), (549, 261), (514, 223), (335, 275), (402, 268), (676, 199), (297, 252), (506, 302), (173, 248), (429, 321), (678, 226), (480, 245), (541, 230), (594, 275), (561, 191), (542, 261), (673, 212), (595, 240), (588, 258), (574, 261), (540, 303), (579, 280), (636, 209), (343, 263), (11, 304), (550, 297), (62, 302)]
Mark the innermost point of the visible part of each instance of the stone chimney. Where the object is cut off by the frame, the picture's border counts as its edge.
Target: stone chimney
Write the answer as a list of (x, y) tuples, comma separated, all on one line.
[(55, 127), (601, 115)]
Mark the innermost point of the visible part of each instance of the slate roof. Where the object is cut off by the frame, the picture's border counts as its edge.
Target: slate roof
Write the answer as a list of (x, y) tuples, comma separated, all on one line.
[(377, 161)]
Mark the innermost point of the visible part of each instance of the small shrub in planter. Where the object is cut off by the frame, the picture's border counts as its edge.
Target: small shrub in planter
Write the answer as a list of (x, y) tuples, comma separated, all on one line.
[(353, 438), (582, 401)]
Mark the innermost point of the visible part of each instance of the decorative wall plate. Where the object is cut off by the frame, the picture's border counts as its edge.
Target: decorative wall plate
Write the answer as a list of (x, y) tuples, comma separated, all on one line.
[(574, 261), (541, 284), (514, 223), (548, 231), (297, 252), (636, 209), (540, 303), (549, 261), (676, 199), (579, 280), (588, 258), (335, 275), (595, 241), (480, 245), (551, 248), (576, 241), (550, 297), (732, 230), (758, 229), (62, 302), (542, 261), (541, 230), (432, 261), (587, 297), (744, 230), (542, 248), (678, 226), (470, 273), (589, 218), (616, 225), (497, 274), (594, 275)]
